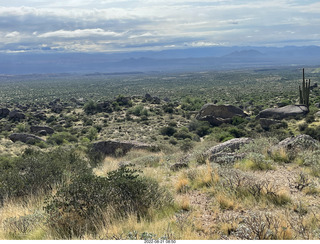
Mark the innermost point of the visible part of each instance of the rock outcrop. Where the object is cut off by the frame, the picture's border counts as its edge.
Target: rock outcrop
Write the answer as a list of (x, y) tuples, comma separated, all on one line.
[(4, 112), (226, 151), (219, 114), (16, 115), (23, 137), (112, 147), (290, 111), (37, 129), (297, 143)]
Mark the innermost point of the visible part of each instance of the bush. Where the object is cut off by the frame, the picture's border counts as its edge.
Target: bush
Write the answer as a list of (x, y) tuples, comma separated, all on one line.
[(237, 120), (168, 108), (201, 128), (92, 133), (255, 161), (182, 134), (192, 104), (313, 132), (310, 118), (137, 110), (37, 171), (186, 145), (235, 132), (90, 107), (79, 206), (167, 131), (61, 138)]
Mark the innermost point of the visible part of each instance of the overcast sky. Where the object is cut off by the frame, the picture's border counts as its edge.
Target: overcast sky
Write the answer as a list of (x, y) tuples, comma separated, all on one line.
[(129, 25)]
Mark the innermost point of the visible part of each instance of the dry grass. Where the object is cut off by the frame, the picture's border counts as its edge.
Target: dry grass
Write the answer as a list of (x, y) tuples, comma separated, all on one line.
[(23, 219), (108, 164), (184, 202), (182, 185), (227, 203)]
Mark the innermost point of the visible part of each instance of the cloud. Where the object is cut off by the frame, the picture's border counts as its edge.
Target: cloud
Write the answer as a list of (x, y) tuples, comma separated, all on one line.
[(106, 25), (13, 34), (80, 33)]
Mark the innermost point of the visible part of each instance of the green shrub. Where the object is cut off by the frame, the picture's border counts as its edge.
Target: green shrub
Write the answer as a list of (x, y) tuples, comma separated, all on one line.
[(186, 145), (61, 138), (201, 128), (137, 110), (167, 131), (237, 120), (37, 171), (237, 133), (90, 107), (79, 205), (310, 118), (182, 133), (168, 108), (92, 133), (255, 161), (192, 104), (313, 132)]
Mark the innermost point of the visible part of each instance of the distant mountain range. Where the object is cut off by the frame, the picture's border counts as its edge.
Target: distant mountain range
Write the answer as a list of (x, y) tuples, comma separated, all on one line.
[(192, 59)]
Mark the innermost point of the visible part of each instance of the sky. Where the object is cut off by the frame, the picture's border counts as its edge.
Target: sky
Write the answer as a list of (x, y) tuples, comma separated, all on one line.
[(138, 25)]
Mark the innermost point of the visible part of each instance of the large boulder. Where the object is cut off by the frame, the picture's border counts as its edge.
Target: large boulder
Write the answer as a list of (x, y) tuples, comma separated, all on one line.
[(23, 137), (16, 115), (219, 114), (290, 111), (36, 129), (296, 143), (226, 151), (4, 112), (112, 147)]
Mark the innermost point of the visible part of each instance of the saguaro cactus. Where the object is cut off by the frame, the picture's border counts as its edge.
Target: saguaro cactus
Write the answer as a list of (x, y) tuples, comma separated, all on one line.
[(304, 91)]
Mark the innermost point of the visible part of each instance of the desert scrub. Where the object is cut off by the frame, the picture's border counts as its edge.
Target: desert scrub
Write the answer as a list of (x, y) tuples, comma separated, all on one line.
[(259, 145), (204, 176), (61, 138), (37, 171), (281, 156), (310, 160), (254, 161), (21, 227), (244, 187), (264, 226), (79, 206)]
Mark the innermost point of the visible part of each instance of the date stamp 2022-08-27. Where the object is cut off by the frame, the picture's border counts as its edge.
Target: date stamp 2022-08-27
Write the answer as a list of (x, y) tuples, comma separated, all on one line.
[(160, 241)]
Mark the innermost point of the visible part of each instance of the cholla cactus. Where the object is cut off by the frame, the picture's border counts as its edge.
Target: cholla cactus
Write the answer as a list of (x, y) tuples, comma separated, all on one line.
[(304, 91)]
